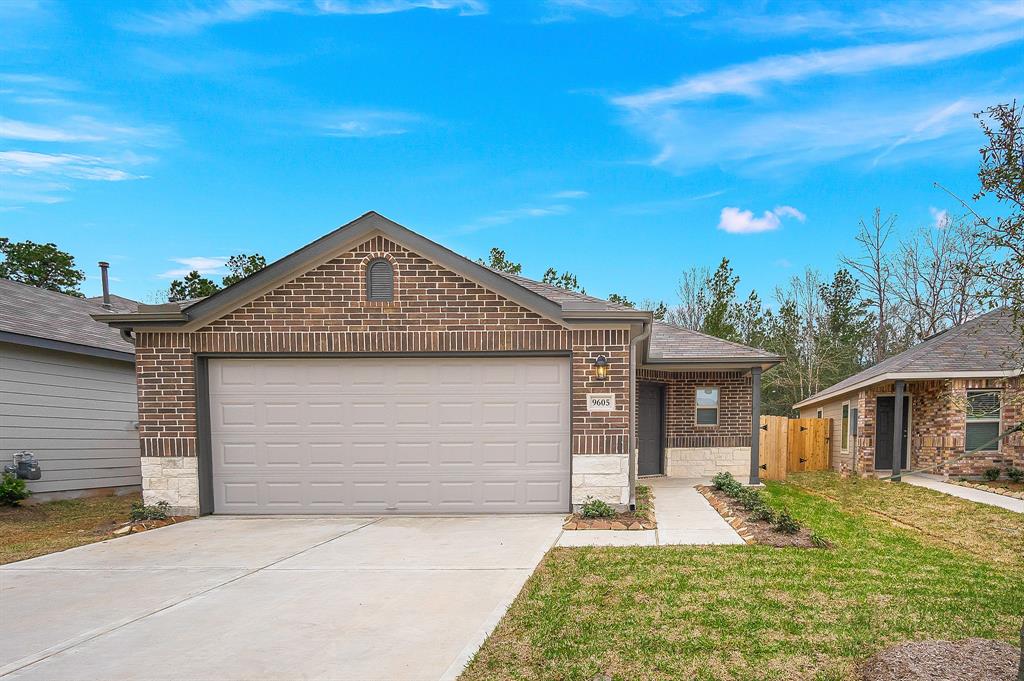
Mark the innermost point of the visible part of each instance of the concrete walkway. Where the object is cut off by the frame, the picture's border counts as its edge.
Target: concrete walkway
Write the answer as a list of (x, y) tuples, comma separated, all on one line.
[(395, 598), (684, 518), (980, 496)]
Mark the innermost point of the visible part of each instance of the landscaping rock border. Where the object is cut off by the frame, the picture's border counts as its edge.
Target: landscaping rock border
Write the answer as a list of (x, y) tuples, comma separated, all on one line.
[(134, 527), (629, 520), (985, 488), (751, 531)]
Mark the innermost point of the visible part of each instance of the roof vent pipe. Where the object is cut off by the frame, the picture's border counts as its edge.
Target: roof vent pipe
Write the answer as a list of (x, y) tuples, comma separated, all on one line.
[(104, 266)]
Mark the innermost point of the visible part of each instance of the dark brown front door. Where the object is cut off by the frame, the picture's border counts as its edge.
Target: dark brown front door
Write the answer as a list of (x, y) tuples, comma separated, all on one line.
[(885, 414), (650, 402)]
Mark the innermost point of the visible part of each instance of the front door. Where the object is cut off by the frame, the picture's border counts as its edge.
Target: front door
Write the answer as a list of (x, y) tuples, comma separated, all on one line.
[(885, 413), (650, 399)]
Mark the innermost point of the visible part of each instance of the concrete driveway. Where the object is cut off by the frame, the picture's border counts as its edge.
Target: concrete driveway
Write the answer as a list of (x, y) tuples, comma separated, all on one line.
[(270, 598)]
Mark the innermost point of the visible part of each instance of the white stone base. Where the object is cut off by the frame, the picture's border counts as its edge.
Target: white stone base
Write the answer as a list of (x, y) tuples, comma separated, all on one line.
[(174, 479), (600, 476), (704, 462)]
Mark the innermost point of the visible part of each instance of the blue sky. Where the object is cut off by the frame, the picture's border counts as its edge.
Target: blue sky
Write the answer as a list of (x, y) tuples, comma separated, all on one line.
[(622, 141)]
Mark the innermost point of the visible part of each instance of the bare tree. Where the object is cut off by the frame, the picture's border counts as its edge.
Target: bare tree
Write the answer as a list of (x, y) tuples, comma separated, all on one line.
[(693, 302), (873, 271), (801, 310)]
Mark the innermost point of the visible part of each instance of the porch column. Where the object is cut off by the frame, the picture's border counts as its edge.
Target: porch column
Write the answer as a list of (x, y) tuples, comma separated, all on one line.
[(755, 426), (897, 432)]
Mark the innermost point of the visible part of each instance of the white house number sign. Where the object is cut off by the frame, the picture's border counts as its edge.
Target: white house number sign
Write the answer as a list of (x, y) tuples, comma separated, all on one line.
[(600, 402)]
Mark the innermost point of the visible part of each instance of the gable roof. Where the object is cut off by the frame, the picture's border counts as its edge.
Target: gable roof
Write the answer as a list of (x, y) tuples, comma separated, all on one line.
[(42, 318), (984, 346), (667, 345), (117, 303)]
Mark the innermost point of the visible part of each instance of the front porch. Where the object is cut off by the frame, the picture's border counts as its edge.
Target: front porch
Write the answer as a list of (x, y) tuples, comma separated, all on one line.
[(697, 423)]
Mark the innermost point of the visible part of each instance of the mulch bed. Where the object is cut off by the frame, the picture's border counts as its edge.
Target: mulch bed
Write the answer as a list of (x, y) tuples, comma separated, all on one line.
[(753, 531), (973, 659), (627, 520)]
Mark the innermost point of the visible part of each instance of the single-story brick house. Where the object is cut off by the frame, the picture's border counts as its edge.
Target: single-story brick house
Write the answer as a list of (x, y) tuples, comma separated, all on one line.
[(67, 392), (373, 370), (960, 388)]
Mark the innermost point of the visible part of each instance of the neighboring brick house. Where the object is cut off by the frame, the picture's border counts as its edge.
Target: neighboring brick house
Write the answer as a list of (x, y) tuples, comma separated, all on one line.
[(376, 371), (961, 388)]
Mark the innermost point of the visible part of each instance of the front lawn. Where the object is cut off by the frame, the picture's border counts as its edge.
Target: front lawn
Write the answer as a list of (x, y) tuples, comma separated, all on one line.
[(754, 612), (38, 529)]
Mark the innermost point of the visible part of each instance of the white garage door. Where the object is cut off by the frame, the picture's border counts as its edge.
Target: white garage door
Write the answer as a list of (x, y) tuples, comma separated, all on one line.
[(480, 435)]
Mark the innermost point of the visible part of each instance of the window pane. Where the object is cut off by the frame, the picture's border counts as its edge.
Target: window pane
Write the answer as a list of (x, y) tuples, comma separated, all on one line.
[(983, 405), (707, 417), (707, 397), (846, 426), (980, 433)]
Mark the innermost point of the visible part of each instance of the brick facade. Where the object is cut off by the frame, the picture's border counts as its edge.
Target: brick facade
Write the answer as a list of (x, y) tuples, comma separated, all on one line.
[(734, 407), (937, 426), (325, 311)]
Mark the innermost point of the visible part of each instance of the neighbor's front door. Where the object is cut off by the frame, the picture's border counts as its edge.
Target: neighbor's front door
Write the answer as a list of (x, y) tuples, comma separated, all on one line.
[(650, 399), (885, 413)]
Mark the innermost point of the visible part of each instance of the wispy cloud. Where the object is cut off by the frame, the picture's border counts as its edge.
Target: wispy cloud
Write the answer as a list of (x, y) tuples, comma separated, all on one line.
[(203, 264), (737, 221), (570, 194), (569, 10), (366, 123), (193, 19), (750, 79), (505, 217), (77, 166), (665, 205)]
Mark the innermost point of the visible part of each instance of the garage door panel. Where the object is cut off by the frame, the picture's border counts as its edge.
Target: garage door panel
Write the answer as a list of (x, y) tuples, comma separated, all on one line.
[(398, 435)]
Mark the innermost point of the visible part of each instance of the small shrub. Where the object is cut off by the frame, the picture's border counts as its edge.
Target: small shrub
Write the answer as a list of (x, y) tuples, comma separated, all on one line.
[(158, 511), (750, 498), (728, 484), (595, 508), (1015, 474), (763, 514), (785, 523), (12, 490), (820, 541), (991, 474)]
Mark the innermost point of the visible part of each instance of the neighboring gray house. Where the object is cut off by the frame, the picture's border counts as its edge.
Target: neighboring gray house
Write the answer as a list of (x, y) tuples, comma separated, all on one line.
[(67, 392)]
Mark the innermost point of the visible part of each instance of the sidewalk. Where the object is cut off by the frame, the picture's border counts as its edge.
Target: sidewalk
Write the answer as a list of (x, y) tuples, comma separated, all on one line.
[(684, 518), (980, 496)]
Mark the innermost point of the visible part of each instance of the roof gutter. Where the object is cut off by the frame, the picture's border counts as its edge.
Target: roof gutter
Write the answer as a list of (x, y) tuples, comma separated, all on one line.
[(647, 326), (907, 376)]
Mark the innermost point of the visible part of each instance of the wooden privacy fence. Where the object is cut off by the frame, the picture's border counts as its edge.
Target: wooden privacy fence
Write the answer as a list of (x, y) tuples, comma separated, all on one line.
[(793, 445)]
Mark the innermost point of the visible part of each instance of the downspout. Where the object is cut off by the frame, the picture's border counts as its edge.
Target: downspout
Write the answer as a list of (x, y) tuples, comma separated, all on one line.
[(648, 327)]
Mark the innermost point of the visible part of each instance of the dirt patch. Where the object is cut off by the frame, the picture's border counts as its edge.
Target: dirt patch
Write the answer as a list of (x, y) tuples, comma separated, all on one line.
[(973, 659), (640, 519), (756, 531)]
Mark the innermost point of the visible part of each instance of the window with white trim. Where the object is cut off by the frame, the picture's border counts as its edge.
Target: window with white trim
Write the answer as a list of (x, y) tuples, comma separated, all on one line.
[(983, 407), (707, 406), (845, 436)]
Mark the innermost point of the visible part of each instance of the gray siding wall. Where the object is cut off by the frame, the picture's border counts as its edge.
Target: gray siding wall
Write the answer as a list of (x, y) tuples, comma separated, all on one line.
[(78, 414)]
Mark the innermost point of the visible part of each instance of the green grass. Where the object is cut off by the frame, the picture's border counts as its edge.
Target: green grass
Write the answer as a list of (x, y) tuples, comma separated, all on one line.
[(38, 529), (753, 612)]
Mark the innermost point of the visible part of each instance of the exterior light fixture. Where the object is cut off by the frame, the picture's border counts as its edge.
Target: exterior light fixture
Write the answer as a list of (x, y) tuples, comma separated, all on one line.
[(601, 368)]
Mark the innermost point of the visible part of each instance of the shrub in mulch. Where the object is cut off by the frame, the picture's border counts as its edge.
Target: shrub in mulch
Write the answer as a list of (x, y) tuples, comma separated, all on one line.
[(744, 508), (973, 659), (597, 515)]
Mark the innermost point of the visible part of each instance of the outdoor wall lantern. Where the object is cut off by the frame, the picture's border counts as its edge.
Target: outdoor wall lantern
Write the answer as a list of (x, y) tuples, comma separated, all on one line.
[(601, 368)]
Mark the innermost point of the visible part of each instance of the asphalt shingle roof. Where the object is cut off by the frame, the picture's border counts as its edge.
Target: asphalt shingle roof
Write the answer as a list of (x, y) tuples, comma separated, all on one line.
[(985, 343), (667, 342), (36, 312)]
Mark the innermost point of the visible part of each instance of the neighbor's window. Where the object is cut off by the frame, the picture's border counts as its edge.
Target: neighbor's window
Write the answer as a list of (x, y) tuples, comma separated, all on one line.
[(982, 419), (707, 406), (380, 281), (845, 437), (819, 413)]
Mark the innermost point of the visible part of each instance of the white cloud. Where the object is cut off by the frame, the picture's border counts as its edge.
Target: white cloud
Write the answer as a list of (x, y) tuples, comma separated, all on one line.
[(570, 194), (940, 217), (20, 130), (569, 10), (195, 19), (737, 221), (366, 123), (198, 263), (665, 205), (750, 79)]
